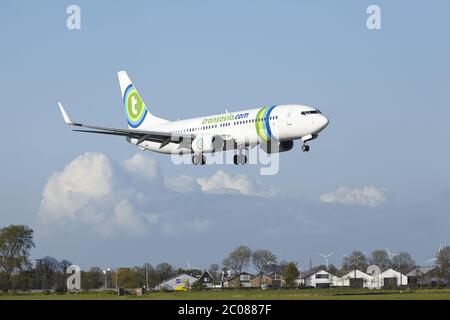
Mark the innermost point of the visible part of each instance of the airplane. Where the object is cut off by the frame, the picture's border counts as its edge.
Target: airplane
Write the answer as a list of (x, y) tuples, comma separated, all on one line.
[(274, 128)]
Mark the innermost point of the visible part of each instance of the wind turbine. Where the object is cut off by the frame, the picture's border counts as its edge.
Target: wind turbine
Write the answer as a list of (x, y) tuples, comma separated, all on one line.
[(326, 256), (435, 258), (390, 255), (190, 268)]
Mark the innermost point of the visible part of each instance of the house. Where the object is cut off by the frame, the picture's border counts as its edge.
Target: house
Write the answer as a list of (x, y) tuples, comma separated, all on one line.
[(390, 277), (272, 280), (261, 281), (277, 279), (318, 278), (206, 280), (179, 282), (424, 276), (242, 280), (357, 279)]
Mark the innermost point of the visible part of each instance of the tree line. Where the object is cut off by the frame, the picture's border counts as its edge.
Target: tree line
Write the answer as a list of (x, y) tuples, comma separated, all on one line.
[(48, 274)]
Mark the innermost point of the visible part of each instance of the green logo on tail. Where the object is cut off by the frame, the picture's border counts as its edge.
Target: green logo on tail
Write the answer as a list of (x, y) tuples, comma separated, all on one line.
[(135, 107)]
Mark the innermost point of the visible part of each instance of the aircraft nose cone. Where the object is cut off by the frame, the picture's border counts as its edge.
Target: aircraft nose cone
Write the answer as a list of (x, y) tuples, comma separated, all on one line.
[(326, 121), (323, 122)]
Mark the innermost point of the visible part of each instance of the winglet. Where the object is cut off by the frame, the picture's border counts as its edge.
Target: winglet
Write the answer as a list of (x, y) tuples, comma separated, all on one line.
[(64, 114)]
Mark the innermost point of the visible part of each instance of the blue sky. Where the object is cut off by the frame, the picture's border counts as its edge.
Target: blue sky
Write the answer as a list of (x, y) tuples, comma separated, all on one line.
[(386, 93)]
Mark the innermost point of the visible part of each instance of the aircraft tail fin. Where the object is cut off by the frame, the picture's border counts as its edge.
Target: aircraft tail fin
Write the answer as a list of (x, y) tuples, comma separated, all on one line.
[(137, 112)]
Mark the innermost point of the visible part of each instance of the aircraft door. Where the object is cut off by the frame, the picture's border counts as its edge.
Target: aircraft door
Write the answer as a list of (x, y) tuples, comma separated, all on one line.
[(289, 119)]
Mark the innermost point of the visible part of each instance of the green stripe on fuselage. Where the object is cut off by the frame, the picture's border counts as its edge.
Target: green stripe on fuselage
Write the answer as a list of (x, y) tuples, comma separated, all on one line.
[(259, 124)]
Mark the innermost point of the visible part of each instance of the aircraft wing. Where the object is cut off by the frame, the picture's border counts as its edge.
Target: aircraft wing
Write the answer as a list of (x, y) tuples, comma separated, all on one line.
[(148, 135)]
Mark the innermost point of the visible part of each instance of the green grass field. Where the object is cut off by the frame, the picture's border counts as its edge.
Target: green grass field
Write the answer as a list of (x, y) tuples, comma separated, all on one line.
[(312, 294)]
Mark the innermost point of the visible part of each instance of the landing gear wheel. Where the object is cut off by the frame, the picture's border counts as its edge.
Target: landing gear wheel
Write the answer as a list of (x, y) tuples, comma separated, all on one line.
[(239, 159), (198, 159), (195, 160), (305, 148)]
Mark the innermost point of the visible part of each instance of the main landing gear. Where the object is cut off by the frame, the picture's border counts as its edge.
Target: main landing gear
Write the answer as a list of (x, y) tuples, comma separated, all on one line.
[(239, 159), (305, 147), (198, 159)]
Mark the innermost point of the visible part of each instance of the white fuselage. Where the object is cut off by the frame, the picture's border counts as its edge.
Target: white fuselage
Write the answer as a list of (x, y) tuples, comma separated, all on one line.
[(248, 127)]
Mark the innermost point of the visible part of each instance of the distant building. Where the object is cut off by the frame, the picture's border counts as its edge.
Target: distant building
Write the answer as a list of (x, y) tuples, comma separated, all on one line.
[(272, 280), (317, 278), (242, 280), (179, 282), (357, 279), (261, 281), (277, 279), (392, 278), (206, 280), (320, 278), (425, 276)]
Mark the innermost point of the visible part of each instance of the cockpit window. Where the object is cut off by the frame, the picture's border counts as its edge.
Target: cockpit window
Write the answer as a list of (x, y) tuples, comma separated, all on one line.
[(311, 112)]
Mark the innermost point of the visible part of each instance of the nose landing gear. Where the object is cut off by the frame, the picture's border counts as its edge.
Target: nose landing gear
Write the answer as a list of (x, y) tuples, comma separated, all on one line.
[(305, 147)]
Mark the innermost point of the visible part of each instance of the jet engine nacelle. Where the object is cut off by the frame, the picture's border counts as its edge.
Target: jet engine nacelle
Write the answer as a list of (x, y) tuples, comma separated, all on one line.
[(277, 146), (207, 143)]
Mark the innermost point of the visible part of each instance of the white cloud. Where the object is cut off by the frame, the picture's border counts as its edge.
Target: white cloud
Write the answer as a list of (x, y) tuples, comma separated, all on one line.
[(366, 196), (93, 194), (87, 177), (141, 165), (182, 184), (125, 216), (222, 182), (86, 193)]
